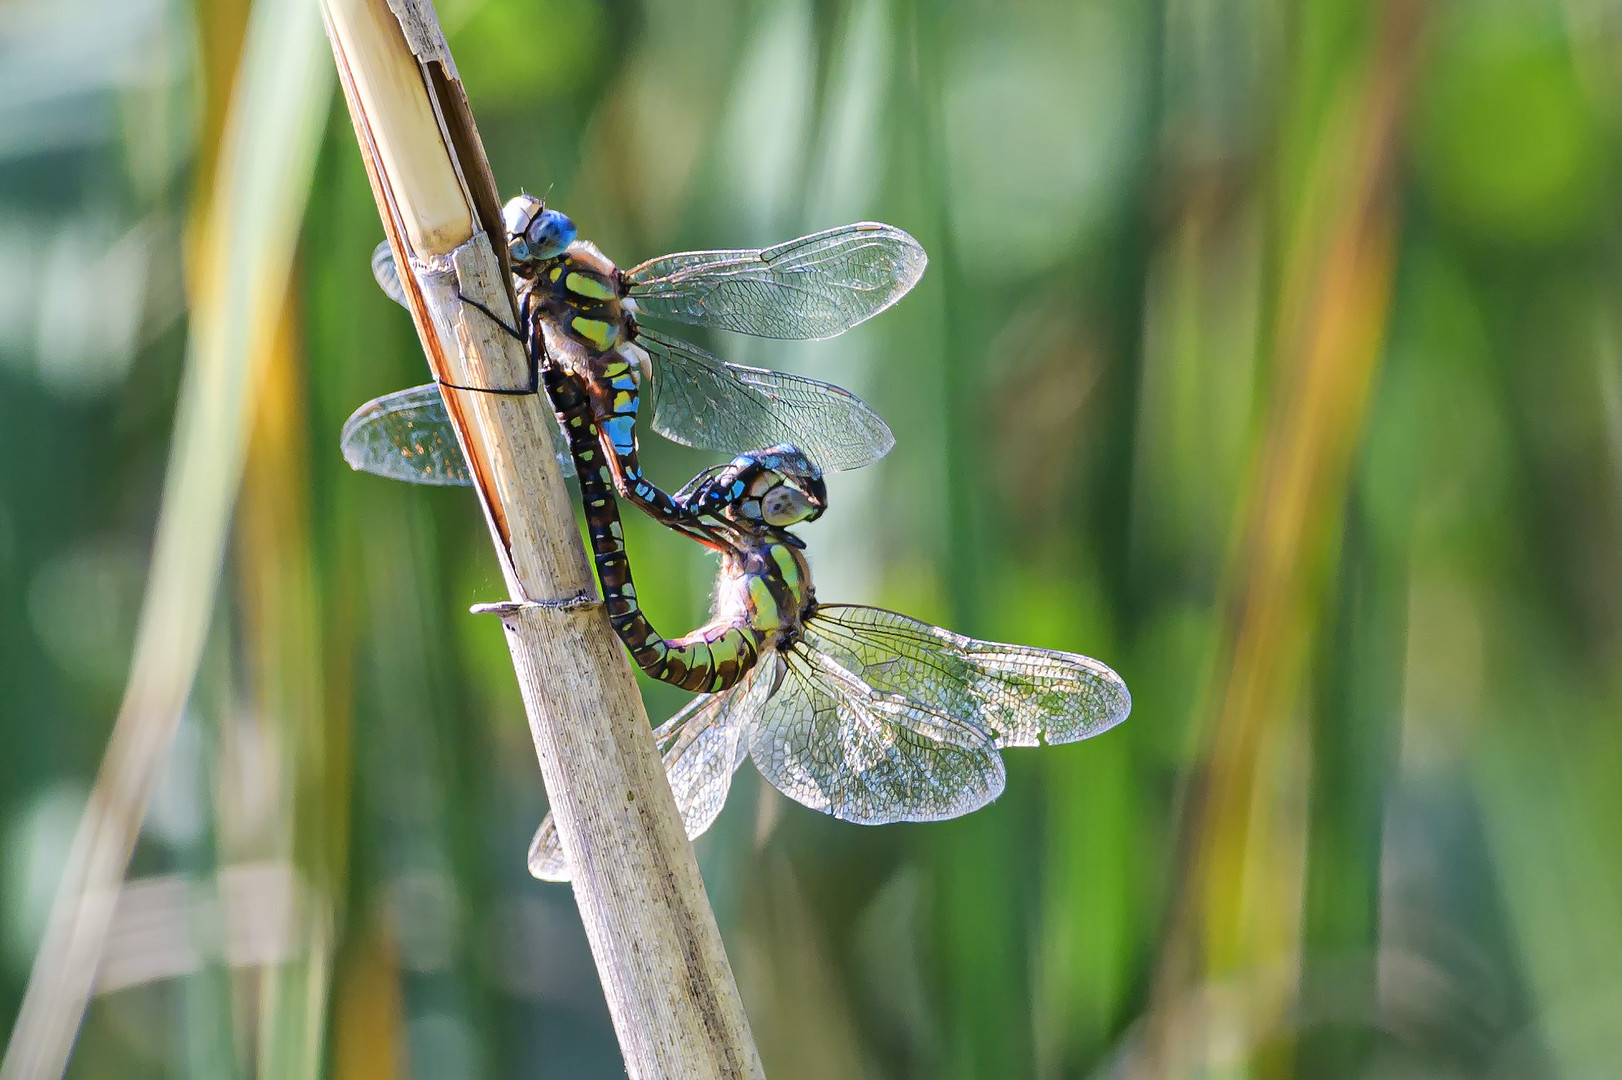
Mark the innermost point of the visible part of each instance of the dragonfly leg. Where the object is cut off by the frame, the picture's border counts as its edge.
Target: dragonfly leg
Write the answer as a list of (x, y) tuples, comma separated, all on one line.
[(497, 319), (712, 490), (696, 491), (504, 608), (533, 385)]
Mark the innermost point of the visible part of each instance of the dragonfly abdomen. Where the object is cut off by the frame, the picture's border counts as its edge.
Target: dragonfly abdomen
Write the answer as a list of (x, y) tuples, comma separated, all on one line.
[(614, 388), (712, 658)]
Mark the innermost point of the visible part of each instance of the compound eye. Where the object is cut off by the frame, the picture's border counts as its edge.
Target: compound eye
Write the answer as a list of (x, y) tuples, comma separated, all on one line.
[(549, 235), (783, 506)]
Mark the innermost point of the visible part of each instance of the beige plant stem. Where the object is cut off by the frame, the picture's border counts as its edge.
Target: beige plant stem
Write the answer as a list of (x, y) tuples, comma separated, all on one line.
[(669, 987)]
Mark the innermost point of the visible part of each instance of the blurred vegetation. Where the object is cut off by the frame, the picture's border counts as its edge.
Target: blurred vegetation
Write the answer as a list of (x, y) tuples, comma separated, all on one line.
[(1271, 352)]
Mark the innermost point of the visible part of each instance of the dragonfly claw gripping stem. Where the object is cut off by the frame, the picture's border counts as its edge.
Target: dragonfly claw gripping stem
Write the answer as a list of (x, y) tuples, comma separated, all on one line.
[(504, 608)]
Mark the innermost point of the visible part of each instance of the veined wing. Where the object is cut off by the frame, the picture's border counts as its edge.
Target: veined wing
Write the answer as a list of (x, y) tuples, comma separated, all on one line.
[(387, 274), (702, 746), (814, 287), (1023, 696), (407, 435), (830, 741), (700, 401)]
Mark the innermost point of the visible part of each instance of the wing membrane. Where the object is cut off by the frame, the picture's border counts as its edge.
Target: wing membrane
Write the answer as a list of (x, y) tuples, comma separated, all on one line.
[(1024, 696), (813, 287), (700, 401), (407, 435), (831, 742), (387, 274), (702, 746)]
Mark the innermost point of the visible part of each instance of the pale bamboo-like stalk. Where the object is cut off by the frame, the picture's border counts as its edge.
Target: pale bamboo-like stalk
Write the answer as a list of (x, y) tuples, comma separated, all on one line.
[(669, 987)]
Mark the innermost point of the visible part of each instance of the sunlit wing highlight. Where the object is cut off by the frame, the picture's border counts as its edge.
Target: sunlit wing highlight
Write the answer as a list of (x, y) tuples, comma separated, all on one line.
[(1024, 696), (387, 274), (833, 743), (813, 287), (408, 435), (700, 401)]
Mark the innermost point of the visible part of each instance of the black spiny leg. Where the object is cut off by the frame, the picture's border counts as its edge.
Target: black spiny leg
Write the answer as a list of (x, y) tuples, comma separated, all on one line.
[(531, 353), (715, 488), (699, 485)]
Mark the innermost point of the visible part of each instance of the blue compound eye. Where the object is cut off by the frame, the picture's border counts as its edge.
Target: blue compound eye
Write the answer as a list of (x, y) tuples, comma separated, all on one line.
[(549, 235)]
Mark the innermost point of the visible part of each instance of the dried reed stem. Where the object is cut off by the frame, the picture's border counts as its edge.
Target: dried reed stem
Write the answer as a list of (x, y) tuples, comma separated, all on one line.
[(669, 987)]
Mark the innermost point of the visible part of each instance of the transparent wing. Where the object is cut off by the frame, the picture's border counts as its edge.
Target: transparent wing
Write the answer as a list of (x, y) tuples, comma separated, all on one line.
[(702, 746), (814, 287), (407, 435), (1024, 696), (387, 274), (700, 401), (830, 741), (546, 861)]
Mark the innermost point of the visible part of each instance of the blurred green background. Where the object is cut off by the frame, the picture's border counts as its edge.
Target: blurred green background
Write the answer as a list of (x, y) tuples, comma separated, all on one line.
[(1269, 351)]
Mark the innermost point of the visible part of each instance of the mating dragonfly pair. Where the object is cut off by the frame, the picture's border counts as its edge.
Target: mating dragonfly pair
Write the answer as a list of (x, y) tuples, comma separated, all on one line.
[(862, 713)]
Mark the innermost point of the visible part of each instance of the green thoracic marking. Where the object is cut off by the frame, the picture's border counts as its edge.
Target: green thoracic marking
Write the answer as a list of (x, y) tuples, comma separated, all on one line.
[(766, 616), (581, 285), (593, 330), (788, 568)]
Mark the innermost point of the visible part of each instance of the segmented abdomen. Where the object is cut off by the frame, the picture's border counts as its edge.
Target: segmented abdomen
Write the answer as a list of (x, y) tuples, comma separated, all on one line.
[(711, 658)]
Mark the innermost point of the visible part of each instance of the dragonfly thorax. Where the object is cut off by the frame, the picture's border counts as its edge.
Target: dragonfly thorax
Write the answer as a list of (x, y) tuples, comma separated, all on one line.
[(765, 585), (578, 295), (596, 366)]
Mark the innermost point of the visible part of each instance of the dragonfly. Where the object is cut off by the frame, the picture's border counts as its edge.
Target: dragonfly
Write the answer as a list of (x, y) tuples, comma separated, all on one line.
[(865, 714), (578, 309)]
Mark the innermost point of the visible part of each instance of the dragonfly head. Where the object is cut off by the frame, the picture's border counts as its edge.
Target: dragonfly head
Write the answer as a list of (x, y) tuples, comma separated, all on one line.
[(534, 233), (790, 490)]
